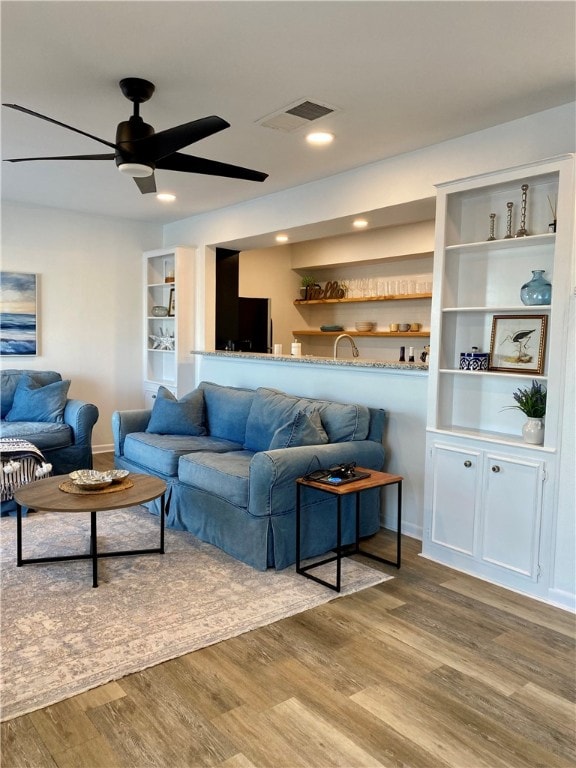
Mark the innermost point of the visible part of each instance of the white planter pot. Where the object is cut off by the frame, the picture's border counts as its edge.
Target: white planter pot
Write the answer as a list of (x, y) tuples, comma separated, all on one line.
[(533, 431)]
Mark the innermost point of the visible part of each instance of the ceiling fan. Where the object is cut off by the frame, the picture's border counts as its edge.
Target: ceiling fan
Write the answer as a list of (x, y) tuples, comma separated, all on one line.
[(138, 150)]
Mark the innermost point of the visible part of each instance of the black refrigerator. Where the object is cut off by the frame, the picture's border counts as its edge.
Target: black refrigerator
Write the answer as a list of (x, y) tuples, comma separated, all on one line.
[(242, 324)]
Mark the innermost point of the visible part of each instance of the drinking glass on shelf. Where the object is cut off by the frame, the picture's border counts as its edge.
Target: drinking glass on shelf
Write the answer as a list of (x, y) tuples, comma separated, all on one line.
[(382, 286), (345, 285), (403, 287), (411, 286)]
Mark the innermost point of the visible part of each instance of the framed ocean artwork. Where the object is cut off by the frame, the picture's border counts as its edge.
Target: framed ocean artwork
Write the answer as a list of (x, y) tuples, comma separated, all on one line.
[(18, 314)]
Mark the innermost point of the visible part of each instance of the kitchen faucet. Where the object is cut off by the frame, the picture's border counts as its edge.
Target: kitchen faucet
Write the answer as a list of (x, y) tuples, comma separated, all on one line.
[(355, 352)]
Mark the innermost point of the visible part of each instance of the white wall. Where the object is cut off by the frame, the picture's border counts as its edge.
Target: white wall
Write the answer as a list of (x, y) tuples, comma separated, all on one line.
[(90, 300)]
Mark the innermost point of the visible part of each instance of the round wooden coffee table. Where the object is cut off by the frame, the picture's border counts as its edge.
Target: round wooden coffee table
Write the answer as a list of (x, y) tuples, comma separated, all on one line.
[(45, 495)]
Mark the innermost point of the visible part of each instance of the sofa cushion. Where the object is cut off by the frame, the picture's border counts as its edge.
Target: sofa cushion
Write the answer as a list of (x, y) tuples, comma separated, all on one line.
[(304, 429), (272, 409), (177, 417), (44, 435), (9, 381), (227, 410), (36, 402), (160, 453), (223, 475)]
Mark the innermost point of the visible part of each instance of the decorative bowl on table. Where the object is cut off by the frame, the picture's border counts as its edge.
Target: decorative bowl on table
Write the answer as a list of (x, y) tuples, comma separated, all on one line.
[(364, 326), (90, 479)]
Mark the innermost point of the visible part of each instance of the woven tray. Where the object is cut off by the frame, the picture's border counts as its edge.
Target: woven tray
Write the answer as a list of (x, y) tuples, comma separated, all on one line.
[(69, 487)]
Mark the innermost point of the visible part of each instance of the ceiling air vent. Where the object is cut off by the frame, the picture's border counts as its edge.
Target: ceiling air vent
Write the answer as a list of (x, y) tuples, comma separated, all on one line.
[(296, 115)]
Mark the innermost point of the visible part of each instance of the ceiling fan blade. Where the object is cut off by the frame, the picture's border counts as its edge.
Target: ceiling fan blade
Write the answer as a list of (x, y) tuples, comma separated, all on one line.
[(146, 184), (62, 125), (61, 157), (167, 142), (191, 164)]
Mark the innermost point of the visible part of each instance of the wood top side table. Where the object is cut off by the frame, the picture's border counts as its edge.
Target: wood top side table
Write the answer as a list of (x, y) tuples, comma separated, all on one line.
[(375, 480), (46, 495)]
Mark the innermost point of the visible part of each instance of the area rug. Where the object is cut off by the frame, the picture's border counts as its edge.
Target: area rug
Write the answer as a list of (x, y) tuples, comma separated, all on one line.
[(60, 637)]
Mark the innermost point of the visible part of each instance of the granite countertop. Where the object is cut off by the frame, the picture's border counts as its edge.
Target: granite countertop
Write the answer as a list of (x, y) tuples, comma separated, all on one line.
[(312, 360)]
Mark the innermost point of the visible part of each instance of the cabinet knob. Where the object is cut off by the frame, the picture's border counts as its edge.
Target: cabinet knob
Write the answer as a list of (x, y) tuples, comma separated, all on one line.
[(467, 463), (495, 468)]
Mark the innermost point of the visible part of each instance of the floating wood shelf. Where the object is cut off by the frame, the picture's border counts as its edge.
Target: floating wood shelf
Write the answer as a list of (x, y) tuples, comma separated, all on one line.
[(399, 297), (411, 334)]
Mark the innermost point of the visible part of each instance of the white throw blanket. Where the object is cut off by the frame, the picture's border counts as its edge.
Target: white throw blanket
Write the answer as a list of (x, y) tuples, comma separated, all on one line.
[(21, 463)]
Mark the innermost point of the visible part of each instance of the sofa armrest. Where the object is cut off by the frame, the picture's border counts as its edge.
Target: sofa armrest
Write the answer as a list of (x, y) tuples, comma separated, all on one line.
[(125, 422), (81, 417), (273, 473)]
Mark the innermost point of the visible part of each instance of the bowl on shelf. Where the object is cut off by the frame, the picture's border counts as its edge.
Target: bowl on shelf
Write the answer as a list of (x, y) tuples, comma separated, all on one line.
[(364, 326), (159, 311), (90, 479)]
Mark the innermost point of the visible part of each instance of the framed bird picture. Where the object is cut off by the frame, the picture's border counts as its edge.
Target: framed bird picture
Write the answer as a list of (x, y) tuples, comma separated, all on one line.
[(518, 343)]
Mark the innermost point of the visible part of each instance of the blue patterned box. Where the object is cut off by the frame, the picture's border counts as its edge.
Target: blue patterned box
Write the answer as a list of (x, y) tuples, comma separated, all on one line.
[(474, 361)]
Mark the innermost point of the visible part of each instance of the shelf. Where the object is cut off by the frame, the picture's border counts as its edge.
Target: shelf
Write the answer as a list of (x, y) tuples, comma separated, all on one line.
[(399, 334), (399, 297), (522, 309), (486, 435), (498, 374), (501, 243)]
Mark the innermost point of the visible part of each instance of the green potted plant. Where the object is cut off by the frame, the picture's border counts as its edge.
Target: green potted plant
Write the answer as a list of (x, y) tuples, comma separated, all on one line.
[(307, 282), (532, 402)]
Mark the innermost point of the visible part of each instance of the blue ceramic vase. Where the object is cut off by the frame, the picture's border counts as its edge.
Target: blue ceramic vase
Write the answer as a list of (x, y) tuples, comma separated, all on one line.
[(536, 291)]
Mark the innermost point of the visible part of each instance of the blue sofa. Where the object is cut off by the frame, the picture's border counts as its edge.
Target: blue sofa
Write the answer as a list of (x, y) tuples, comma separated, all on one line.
[(230, 457), (35, 407)]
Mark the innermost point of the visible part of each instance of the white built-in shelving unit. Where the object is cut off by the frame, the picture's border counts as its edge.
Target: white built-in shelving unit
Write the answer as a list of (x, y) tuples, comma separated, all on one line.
[(490, 497), (168, 282)]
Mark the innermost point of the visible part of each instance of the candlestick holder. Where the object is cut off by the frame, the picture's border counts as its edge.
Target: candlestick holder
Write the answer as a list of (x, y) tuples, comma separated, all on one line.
[(492, 221), (509, 234), (523, 232)]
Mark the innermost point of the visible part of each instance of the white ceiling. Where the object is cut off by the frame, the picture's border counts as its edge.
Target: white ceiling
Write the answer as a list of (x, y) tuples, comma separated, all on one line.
[(403, 75)]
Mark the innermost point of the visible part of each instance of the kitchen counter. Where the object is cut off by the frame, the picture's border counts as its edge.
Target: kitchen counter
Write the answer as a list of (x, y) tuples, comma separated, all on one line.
[(417, 368)]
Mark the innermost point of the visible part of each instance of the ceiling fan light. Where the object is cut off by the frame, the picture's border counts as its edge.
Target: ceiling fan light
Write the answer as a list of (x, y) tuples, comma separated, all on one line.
[(136, 170)]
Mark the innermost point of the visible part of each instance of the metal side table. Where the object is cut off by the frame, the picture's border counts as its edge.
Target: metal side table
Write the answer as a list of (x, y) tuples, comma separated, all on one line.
[(375, 480)]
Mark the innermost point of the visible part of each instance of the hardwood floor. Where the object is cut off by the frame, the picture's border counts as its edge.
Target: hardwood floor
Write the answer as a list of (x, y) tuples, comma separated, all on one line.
[(429, 670)]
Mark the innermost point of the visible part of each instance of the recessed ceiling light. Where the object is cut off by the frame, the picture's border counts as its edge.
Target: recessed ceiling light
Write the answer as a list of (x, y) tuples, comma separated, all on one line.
[(166, 197), (320, 138), (359, 223), (281, 238)]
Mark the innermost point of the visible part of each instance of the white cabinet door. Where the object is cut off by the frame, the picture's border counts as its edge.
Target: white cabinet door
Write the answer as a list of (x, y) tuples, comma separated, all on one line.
[(455, 498), (150, 393), (512, 501)]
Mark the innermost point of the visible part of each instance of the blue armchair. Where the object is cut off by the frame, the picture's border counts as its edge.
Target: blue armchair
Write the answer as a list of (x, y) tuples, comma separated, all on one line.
[(35, 407)]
